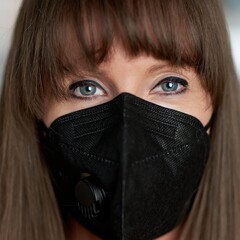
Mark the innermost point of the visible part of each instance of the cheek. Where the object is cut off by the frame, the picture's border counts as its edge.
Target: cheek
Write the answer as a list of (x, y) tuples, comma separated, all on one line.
[(48, 115), (197, 104), (201, 108), (200, 103), (52, 110)]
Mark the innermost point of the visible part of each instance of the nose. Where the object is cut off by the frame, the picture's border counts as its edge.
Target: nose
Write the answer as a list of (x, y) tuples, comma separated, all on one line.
[(127, 74), (129, 84)]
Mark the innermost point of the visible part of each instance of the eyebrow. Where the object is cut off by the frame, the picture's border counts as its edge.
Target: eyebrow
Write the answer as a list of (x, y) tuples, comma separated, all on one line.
[(159, 67), (96, 72)]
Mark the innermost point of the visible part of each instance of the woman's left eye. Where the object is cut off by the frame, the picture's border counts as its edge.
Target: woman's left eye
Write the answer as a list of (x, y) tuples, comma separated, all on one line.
[(86, 89), (171, 85)]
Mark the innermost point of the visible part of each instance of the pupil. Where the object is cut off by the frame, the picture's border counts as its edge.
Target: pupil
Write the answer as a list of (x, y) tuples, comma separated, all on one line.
[(170, 86), (88, 90)]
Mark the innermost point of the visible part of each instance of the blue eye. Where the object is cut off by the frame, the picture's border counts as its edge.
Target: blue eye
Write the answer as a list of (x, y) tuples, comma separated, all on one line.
[(171, 85), (86, 89)]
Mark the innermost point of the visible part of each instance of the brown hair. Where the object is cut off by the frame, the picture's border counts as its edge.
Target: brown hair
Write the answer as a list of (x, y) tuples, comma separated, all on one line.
[(53, 38)]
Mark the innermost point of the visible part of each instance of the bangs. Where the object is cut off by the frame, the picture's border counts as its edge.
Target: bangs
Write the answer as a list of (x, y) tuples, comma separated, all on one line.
[(156, 28), (82, 33), (74, 36)]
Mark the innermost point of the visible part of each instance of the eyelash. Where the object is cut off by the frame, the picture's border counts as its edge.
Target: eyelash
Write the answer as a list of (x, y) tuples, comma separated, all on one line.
[(182, 83)]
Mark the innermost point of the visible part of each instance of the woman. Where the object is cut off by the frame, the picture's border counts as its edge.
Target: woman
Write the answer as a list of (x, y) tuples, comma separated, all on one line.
[(120, 120)]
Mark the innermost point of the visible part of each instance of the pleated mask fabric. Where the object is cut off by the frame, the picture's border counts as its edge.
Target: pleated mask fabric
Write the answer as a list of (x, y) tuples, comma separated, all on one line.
[(127, 169)]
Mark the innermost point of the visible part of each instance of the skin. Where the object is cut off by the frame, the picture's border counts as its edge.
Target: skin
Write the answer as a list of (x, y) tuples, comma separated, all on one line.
[(139, 76)]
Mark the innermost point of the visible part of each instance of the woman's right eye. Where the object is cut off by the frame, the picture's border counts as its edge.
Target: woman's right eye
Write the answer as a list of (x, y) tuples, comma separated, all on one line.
[(86, 89)]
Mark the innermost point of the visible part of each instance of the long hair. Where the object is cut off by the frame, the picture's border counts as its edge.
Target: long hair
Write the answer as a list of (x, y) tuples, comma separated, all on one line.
[(54, 38)]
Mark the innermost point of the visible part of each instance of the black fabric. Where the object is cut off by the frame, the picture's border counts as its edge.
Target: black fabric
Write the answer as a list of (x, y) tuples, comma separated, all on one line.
[(148, 159)]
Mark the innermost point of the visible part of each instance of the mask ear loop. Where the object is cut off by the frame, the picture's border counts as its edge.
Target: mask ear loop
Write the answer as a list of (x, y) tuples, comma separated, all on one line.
[(209, 124), (42, 129)]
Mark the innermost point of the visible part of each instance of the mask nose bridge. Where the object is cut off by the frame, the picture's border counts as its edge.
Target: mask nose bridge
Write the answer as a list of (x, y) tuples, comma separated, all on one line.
[(119, 197), (127, 111), (122, 145), (124, 164)]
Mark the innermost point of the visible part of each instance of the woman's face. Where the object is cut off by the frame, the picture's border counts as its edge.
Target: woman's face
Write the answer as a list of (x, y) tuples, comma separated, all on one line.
[(148, 78), (153, 80)]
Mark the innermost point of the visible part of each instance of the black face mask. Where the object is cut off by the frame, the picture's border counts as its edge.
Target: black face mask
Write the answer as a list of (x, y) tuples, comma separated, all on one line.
[(127, 169)]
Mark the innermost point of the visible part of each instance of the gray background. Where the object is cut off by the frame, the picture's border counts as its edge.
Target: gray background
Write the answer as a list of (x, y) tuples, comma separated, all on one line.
[(9, 9)]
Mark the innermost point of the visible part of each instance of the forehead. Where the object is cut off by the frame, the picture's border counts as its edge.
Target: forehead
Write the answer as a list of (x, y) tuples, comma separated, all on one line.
[(123, 70), (81, 34)]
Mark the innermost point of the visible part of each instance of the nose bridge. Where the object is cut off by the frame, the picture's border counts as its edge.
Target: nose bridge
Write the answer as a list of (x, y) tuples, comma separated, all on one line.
[(129, 83), (126, 74)]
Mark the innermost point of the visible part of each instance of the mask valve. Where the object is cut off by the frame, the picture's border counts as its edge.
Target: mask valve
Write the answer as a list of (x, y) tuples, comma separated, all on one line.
[(89, 196)]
